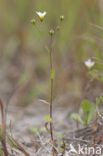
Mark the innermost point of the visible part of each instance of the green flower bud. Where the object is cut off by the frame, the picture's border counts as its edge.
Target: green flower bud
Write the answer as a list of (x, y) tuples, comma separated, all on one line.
[(51, 32), (62, 18), (33, 21)]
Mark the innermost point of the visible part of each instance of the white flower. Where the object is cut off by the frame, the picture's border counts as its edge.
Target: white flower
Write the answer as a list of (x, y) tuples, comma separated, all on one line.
[(89, 64), (41, 15)]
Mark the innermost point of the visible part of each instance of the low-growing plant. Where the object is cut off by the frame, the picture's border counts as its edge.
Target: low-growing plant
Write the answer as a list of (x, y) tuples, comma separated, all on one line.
[(52, 33), (37, 130), (88, 110)]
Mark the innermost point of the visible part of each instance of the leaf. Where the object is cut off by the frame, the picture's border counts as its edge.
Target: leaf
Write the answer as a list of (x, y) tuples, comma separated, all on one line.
[(62, 135), (42, 129), (61, 149), (93, 72), (35, 130), (91, 113), (52, 74), (48, 118), (76, 117), (60, 143), (88, 110), (86, 105)]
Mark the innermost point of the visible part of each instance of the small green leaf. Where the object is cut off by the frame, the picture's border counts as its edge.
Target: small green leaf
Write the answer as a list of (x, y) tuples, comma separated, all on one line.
[(76, 117), (88, 110), (48, 118), (62, 135), (35, 130), (42, 129), (52, 74), (61, 149), (60, 143), (86, 105), (91, 113), (93, 72)]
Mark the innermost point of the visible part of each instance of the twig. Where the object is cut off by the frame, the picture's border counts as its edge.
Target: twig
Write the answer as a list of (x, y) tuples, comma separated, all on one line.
[(17, 145), (3, 129)]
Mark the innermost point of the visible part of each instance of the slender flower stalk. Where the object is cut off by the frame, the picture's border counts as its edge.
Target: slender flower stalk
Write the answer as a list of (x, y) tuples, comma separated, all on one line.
[(50, 117), (51, 92)]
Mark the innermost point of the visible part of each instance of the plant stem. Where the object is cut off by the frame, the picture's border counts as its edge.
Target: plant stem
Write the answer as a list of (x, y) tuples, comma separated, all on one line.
[(3, 129), (51, 97)]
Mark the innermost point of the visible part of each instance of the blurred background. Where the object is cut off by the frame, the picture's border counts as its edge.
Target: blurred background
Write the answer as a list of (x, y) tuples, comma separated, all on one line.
[(24, 60)]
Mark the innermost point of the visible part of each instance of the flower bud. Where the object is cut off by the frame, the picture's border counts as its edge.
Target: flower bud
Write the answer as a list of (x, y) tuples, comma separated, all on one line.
[(62, 18), (33, 21), (51, 32)]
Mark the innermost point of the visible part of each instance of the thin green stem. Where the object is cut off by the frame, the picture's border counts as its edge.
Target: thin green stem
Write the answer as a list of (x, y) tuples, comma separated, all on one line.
[(51, 62), (38, 29), (51, 98), (51, 102)]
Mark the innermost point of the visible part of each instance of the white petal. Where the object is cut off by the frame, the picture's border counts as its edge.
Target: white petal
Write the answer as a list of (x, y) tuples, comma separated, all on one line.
[(44, 13), (39, 13), (89, 63)]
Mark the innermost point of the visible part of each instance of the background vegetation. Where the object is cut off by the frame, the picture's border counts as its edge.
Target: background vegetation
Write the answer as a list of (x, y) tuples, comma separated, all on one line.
[(24, 60)]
